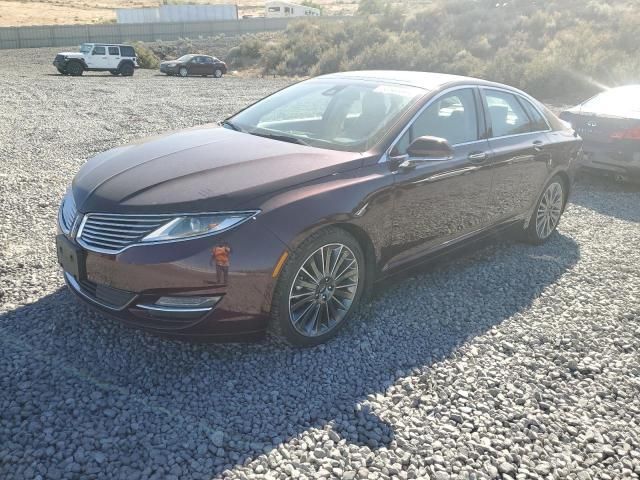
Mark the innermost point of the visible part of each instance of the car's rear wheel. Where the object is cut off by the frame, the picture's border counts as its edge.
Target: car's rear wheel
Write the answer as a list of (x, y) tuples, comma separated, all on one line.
[(127, 70), (114, 72), (319, 287), (549, 209), (75, 69), (183, 71), (217, 73)]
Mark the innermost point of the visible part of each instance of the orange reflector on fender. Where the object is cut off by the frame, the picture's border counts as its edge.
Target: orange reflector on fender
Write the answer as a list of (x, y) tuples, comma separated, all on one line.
[(283, 258)]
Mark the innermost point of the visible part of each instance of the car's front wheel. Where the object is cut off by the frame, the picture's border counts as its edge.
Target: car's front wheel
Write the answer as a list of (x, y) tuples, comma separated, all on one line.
[(320, 285), (548, 211), (183, 71), (217, 73), (114, 72), (75, 69)]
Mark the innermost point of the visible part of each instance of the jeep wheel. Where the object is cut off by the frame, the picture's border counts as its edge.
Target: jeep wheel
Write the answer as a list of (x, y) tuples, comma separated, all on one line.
[(61, 71), (183, 71), (75, 69), (217, 73), (127, 70), (114, 72)]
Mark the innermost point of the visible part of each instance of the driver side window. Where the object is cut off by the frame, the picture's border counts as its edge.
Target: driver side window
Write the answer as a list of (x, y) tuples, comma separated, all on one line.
[(451, 116), (99, 51)]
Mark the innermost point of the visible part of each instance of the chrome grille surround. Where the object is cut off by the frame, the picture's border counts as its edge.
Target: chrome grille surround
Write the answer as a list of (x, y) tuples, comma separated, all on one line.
[(112, 233), (67, 214)]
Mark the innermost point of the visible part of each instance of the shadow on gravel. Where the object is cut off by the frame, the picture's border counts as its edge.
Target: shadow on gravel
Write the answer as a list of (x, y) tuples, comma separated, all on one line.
[(104, 398), (603, 195)]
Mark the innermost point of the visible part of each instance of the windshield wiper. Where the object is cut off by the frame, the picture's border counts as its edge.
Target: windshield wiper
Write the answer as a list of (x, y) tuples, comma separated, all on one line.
[(280, 137), (227, 123)]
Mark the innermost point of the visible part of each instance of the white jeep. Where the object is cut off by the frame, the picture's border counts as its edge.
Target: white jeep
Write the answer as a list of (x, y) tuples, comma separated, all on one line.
[(98, 57)]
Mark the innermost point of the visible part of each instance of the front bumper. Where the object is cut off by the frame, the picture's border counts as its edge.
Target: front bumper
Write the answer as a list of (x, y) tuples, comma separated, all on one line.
[(169, 70), (128, 285)]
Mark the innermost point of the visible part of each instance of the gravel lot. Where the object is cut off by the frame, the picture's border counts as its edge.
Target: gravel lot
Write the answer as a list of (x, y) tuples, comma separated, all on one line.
[(515, 362)]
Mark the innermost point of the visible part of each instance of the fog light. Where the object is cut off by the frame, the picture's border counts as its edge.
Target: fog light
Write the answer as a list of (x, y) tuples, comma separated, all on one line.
[(188, 302)]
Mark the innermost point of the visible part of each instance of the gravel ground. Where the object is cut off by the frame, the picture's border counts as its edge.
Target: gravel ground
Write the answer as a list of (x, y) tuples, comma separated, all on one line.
[(515, 362)]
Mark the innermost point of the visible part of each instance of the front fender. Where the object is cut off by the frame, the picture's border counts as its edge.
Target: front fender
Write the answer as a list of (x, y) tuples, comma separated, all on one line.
[(361, 198)]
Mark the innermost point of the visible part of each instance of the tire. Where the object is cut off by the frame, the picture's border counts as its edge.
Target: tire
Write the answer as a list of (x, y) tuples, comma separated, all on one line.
[(126, 70), (62, 71), (217, 73), (75, 69), (306, 308), (114, 72), (549, 209), (183, 72)]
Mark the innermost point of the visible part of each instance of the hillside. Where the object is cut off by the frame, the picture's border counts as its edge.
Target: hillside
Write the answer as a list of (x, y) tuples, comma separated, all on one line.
[(55, 12), (552, 48)]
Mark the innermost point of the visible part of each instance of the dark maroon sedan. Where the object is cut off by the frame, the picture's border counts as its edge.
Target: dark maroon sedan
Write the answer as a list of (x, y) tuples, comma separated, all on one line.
[(284, 216)]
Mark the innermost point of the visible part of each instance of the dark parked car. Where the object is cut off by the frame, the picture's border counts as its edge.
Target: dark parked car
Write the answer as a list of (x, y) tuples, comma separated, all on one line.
[(285, 216), (194, 65), (609, 124)]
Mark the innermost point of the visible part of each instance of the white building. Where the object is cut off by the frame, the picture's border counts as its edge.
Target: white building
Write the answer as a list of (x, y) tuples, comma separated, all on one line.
[(276, 9)]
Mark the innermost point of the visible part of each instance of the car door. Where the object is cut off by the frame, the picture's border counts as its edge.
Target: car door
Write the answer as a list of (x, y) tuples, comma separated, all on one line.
[(519, 155), (113, 57), (439, 201), (200, 67), (207, 66), (98, 57)]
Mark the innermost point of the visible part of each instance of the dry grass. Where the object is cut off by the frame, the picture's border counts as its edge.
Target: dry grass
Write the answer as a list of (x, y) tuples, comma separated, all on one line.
[(57, 12)]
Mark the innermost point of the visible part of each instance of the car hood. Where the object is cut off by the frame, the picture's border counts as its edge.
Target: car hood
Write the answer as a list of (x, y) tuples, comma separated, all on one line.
[(71, 54), (206, 168)]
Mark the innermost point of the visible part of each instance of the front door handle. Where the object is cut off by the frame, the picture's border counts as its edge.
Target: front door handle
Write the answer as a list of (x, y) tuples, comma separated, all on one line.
[(478, 157), (538, 145)]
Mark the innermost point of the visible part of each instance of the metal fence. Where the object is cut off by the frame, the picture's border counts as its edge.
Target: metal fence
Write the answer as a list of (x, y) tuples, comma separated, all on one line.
[(67, 35)]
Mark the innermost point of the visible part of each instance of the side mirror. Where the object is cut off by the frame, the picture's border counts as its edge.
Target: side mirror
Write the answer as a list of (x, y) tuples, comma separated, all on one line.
[(430, 148)]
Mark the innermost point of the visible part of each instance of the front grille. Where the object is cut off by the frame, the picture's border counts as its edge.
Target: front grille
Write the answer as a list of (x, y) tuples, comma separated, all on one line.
[(111, 233), (109, 297), (68, 213)]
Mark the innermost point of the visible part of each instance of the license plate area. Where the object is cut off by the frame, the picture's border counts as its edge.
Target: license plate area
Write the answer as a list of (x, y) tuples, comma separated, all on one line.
[(71, 257)]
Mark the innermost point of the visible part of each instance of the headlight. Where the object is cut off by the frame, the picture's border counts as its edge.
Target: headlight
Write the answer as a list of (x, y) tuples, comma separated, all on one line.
[(171, 65), (198, 225)]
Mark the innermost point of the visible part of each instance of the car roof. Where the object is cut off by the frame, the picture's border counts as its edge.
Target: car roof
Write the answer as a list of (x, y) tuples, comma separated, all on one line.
[(425, 80), (107, 44)]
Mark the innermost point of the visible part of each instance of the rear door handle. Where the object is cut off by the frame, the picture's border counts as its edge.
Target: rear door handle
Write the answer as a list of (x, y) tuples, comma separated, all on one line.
[(478, 157), (538, 145)]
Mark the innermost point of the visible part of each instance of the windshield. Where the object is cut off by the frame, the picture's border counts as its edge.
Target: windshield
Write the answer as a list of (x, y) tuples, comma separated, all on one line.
[(617, 101), (336, 114), (85, 48), (184, 58)]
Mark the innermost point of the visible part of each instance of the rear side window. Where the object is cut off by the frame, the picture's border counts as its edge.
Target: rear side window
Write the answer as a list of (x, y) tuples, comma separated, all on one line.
[(127, 51), (99, 51), (114, 51), (507, 115), (539, 124)]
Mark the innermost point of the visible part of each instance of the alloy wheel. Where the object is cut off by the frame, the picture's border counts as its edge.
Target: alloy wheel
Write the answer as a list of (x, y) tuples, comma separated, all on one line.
[(323, 290), (183, 72), (549, 210)]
